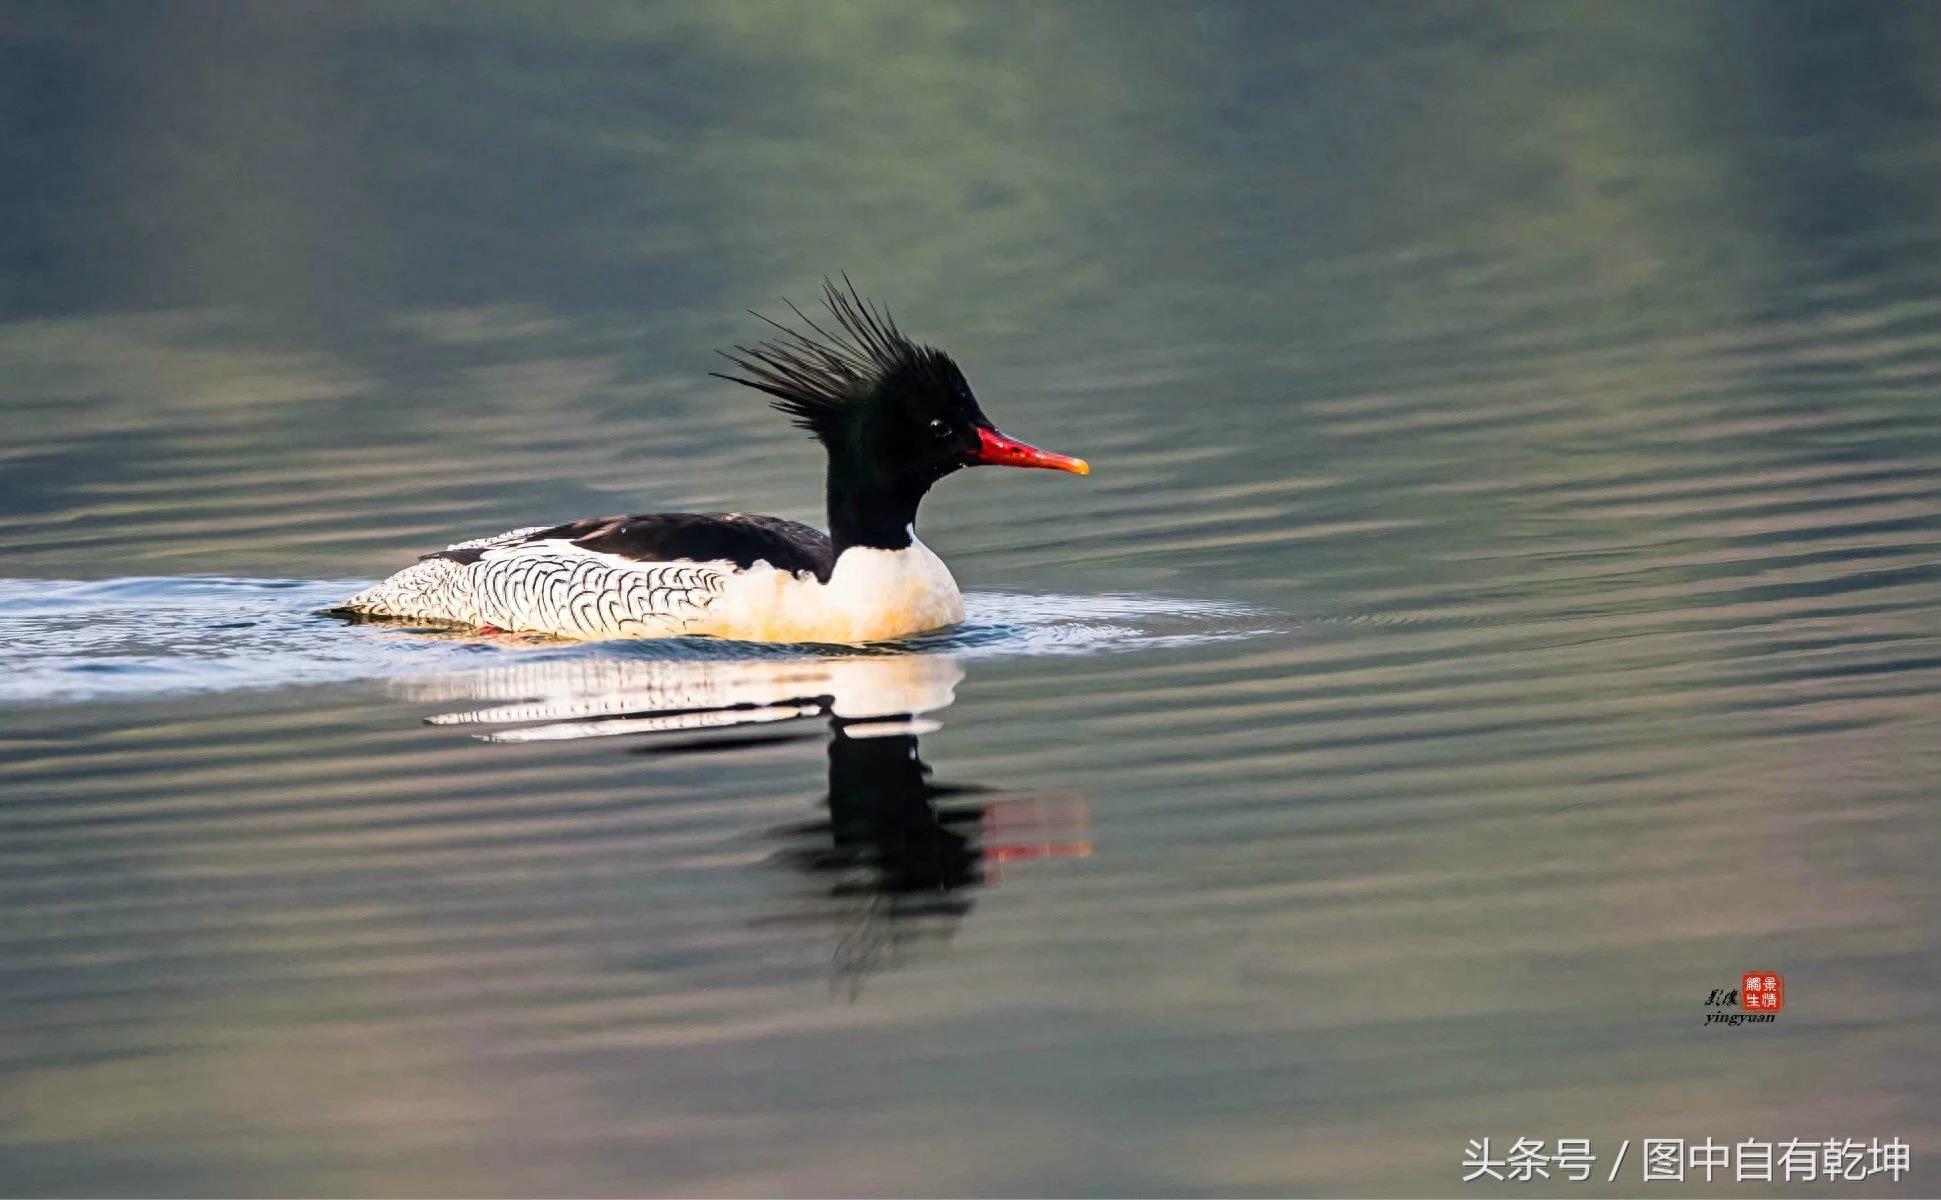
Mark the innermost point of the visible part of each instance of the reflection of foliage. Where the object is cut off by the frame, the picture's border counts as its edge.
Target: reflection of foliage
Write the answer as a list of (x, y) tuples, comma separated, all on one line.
[(519, 218), (664, 162), (660, 159)]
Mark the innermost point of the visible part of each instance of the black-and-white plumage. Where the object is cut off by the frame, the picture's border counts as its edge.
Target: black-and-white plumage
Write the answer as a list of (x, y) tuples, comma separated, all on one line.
[(894, 417)]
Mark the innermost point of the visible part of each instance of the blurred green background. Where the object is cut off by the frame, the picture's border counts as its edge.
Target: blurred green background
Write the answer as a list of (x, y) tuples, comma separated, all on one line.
[(1554, 386)]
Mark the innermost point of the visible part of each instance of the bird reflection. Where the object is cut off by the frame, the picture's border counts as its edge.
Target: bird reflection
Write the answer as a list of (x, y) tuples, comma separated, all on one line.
[(894, 859), (901, 854)]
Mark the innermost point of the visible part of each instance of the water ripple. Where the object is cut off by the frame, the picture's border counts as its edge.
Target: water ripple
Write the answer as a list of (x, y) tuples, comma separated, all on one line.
[(71, 641)]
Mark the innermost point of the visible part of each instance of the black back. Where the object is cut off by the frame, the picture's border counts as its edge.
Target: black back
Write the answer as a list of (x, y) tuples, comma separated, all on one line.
[(690, 537)]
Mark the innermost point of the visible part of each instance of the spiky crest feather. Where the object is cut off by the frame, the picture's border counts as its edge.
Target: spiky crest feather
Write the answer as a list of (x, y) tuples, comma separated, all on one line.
[(821, 381)]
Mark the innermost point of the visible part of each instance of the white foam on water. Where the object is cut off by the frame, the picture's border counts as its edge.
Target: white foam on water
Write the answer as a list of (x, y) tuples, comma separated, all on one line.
[(68, 641)]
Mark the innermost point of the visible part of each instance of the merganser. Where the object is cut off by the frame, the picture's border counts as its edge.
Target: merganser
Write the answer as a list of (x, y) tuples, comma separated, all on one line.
[(894, 416)]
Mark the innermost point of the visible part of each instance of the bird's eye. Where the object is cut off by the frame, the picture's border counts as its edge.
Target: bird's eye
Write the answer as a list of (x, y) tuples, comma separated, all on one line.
[(939, 427)]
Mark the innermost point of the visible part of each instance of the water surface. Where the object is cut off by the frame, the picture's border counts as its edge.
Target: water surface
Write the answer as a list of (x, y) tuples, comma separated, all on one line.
[(1506, 607)]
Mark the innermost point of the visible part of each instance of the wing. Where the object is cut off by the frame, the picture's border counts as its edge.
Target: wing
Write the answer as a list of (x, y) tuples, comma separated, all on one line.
[(673, 538), (655, 575)]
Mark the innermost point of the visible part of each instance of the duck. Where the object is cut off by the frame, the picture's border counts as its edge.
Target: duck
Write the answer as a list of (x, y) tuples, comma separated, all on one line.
[(893, 416)]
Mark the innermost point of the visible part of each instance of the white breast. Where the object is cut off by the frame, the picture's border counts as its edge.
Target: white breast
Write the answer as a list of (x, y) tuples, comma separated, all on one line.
[(871, 596)]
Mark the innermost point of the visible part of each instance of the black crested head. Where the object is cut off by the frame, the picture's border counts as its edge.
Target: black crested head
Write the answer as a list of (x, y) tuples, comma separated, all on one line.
[(850, 377), (895, 415)]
